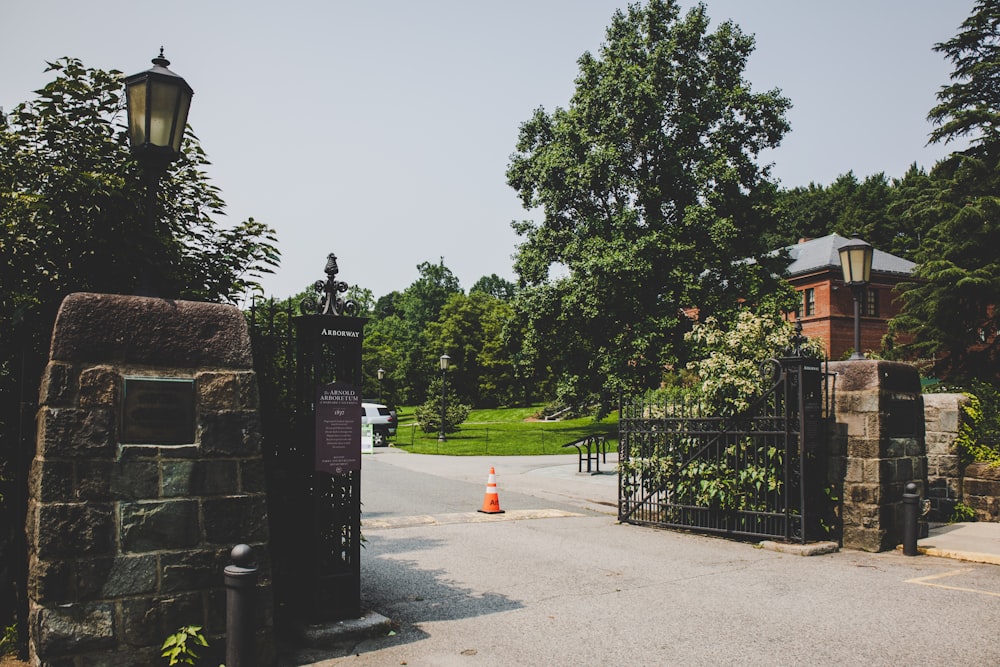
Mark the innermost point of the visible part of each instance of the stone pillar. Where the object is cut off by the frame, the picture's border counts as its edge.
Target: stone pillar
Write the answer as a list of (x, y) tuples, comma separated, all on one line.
[(878, 405), (137, 499), (942, 418)]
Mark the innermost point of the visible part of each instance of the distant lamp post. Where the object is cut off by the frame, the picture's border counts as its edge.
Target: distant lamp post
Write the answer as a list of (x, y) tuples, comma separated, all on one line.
[(445, 362), (856, 263), (158, 103), (381, 376)]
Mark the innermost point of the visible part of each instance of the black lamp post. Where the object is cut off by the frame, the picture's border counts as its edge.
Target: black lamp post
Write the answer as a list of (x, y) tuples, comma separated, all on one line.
[(158, 103), (381, 376), (445, 362), (856, 263)]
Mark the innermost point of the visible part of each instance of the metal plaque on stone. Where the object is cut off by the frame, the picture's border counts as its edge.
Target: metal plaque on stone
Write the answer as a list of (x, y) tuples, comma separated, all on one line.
[(158, 411), (338, 428)]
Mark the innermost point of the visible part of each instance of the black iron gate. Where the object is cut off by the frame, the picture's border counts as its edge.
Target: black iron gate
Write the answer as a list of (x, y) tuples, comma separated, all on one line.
[(757, 474), (314, 516)]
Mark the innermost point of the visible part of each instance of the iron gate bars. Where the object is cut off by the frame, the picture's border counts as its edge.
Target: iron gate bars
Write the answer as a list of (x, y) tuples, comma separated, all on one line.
[(740, 475)]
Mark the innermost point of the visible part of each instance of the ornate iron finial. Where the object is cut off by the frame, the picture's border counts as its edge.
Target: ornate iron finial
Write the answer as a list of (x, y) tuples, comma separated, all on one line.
[(329, 303), (160, 60)]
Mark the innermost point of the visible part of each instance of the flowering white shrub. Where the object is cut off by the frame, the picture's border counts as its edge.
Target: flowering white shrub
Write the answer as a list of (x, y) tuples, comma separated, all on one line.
[(730, 374)]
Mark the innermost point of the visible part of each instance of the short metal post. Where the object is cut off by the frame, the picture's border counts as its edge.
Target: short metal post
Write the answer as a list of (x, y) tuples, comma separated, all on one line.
[(241, 583), (911, 511)]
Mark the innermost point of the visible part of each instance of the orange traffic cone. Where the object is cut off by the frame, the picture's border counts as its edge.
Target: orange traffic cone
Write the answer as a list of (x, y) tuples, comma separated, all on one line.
[(491, 501)]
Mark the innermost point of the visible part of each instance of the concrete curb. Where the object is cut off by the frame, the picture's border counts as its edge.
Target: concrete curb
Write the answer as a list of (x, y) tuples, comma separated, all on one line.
[(811, 549), (968, 556), (313, 643)]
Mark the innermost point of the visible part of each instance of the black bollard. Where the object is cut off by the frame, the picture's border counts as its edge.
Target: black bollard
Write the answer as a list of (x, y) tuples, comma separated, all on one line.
[(241, 584), (911, 511)]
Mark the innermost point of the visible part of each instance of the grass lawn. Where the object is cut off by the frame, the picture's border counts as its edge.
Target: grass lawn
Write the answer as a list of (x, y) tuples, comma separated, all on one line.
[(504, 432)]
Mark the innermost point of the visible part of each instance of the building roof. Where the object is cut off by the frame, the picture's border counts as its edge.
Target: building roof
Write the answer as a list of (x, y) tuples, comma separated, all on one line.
[(824, 253)]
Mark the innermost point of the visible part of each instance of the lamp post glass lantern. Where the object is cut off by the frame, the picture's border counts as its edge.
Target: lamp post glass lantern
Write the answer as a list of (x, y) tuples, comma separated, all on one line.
[(158, 102), (445, 362), (381, 376), (856, 264)]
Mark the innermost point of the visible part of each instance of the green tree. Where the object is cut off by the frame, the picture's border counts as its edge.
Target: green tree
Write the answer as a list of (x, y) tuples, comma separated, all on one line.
[(495, 286), (951, 308), (471, 329), (428, 414), (848, 207), (422, 301), (396, 338), (652, 191)]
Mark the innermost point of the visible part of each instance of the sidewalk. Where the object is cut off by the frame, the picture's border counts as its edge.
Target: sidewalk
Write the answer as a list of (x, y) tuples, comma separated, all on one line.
[(972, 542)]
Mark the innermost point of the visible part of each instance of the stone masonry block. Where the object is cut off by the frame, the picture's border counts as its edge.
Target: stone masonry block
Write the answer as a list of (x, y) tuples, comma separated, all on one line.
[(138, 331), (162, 525), (858, 401), (869, 494), (236, 433), (855, 470), (857, 425), (148, 621), (51, 581), (135, 479), (71, 530), (865, 539), (58, 388), (939, 443), (235, 519), (51, 480), (120, 576), (984, 471), (200, 477), (99, 387), (236, 390), (93, 480), (74, 433), (191, 570), (76, 628), (864, 448)]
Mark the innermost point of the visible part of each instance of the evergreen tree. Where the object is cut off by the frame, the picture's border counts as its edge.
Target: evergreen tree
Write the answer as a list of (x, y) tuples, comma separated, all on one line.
[(951, 310)]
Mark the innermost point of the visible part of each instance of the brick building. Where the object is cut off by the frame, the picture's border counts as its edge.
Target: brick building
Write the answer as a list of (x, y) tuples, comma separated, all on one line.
[(827, 304)]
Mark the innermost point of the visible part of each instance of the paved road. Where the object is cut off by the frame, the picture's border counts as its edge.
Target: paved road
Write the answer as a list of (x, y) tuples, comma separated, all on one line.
[(557, 581)]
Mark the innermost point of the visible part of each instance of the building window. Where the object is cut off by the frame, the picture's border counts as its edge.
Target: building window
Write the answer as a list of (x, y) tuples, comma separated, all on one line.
[(869, 303), (809, 301)]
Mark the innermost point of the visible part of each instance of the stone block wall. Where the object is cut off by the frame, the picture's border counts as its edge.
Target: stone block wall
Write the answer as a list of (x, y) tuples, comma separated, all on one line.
[(977, 486), (128, 542), (878, 447)]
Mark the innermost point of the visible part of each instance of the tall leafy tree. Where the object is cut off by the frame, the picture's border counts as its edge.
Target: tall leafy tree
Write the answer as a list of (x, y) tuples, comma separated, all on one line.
[(495, 286), (952, 309), (471, 328), (652, 192), (396, 339)]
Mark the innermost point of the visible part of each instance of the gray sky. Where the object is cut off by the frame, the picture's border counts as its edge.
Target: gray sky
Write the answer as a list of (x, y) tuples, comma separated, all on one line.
[(381, 131)]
